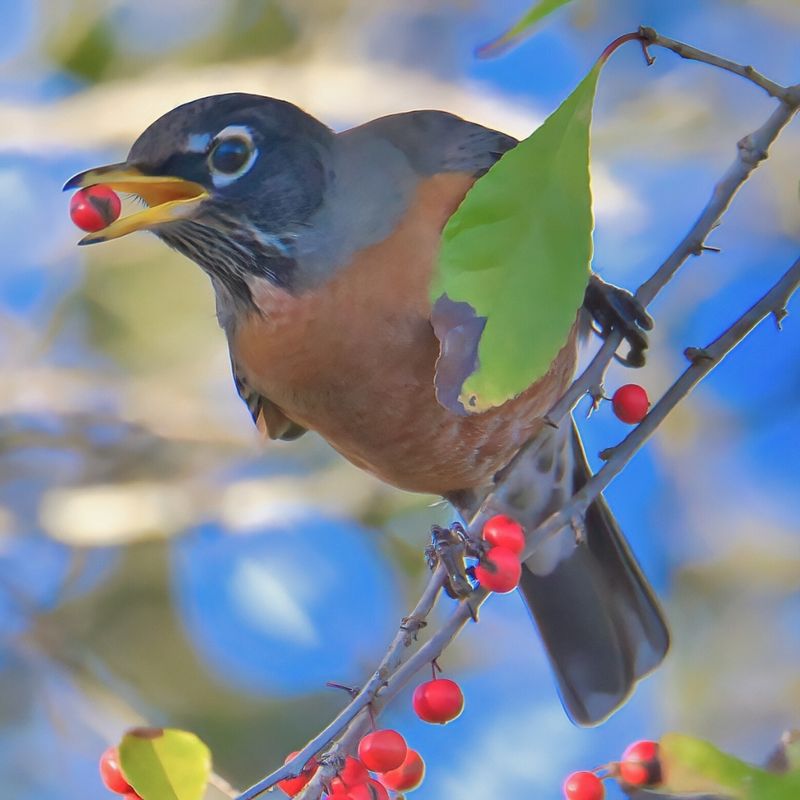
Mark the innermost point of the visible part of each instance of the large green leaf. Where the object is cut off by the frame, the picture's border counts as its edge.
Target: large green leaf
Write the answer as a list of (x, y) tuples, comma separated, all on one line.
[(165, 764), (518, 251), (537, 12), (694, 766)]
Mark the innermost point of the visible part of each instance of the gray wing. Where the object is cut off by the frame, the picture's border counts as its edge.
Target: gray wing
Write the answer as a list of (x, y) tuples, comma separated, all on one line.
[(268, 418), (436, 141)]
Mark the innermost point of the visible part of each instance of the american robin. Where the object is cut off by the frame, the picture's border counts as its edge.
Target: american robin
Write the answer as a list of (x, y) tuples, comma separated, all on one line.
[(320, 247)]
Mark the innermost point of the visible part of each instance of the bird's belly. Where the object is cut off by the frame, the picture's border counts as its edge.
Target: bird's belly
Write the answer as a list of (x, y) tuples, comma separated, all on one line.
[(355, 359), (374, 401)]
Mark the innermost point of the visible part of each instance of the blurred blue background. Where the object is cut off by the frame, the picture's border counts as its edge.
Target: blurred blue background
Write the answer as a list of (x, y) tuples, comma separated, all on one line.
[(159, 563)]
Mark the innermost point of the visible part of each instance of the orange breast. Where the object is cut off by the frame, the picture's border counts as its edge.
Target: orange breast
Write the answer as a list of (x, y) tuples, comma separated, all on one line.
[(354, 360)]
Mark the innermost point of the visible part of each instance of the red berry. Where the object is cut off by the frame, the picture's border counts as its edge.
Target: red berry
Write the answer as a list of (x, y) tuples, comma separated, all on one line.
[(640, 765), (293, 786), (381, 751), (95, 207), (111, 772), (407, 776), (499, 571), (371, 790), (583, 786), (502, 531), (440, 700), (131, 796), (630, 403), (352, 773)]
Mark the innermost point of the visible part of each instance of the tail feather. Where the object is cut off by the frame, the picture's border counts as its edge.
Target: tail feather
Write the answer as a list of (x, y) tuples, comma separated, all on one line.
[(600, 622), (599, 619)]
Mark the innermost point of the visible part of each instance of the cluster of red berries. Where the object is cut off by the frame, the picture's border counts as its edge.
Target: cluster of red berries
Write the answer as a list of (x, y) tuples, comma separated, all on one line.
[(384, 760), (95, 207), (500, 569), (112, 777), (638, 768)]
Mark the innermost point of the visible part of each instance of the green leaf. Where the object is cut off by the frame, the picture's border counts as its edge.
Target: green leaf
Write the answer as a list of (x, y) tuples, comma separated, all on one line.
[(518, 251), (537, 12), (694, 766), (165, 764)]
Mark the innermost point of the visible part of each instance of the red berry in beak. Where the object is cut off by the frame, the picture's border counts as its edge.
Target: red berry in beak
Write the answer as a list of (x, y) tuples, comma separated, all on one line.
[(94, 208)]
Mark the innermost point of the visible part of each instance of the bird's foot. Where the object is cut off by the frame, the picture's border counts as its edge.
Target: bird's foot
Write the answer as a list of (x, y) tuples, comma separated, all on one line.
[(449, 547), (616, 309)]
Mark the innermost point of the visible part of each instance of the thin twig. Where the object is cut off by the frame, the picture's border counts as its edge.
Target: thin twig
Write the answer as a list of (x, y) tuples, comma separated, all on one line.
[(744, 71)]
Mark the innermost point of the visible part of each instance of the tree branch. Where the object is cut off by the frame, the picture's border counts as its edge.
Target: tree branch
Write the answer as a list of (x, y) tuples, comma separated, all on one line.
[(398, 666), (651, 37), (394, 657)]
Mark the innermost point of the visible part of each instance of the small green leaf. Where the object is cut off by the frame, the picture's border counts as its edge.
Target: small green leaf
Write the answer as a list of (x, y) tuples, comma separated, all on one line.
[(518, 251), (165, 764), (694, 766), (537, 12)]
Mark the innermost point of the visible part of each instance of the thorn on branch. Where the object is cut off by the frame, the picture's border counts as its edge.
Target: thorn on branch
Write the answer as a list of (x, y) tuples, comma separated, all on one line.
[(705, 248), (605, 455), (349, 689), (779, 315)]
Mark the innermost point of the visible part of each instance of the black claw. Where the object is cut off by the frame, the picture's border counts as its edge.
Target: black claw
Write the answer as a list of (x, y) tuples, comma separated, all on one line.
[(448, 547), (616, 309)]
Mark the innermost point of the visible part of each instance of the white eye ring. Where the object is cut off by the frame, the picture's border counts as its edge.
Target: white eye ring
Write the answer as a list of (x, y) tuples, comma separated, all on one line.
[(233, 133)]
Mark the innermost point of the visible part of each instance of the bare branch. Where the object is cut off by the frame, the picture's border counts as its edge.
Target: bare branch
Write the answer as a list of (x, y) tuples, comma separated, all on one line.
[(651, 37)]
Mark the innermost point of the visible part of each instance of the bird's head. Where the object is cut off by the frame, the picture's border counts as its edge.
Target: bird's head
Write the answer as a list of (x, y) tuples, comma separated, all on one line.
[(228, 180)]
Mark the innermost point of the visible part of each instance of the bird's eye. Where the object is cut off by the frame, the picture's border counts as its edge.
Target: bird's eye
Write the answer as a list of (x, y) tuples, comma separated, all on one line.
[(231, 154)]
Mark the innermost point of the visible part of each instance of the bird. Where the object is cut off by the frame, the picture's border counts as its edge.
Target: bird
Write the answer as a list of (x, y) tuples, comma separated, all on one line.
[(320, 247)]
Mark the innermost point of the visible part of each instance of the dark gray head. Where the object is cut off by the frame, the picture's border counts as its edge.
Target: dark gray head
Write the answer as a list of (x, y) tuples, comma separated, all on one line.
[(251, 188), (239, 174)]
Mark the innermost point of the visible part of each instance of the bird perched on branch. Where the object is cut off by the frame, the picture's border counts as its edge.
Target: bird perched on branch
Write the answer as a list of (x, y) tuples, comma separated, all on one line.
[(320, 247)]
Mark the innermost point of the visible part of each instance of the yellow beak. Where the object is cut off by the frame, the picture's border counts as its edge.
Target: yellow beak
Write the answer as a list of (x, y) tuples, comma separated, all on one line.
[(169, 198)]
